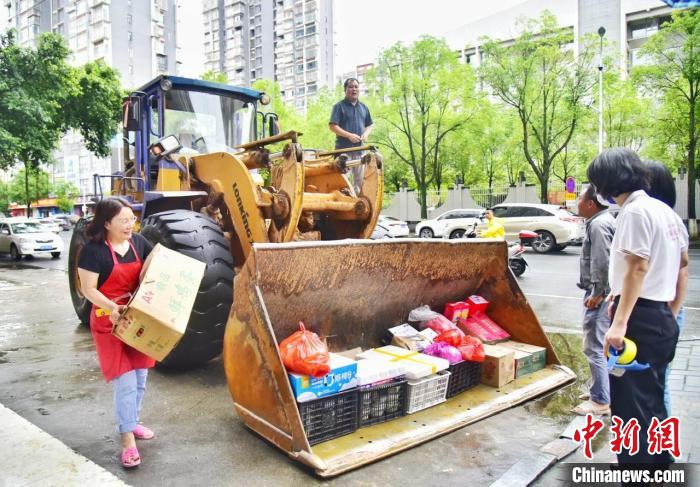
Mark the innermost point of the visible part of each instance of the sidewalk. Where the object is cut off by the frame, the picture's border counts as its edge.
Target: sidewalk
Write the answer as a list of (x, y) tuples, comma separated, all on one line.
[(33, 457)]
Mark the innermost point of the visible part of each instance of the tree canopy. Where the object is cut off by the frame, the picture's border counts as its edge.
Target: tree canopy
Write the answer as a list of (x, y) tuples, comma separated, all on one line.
[(42, 97), (424, 96), (547, 86)]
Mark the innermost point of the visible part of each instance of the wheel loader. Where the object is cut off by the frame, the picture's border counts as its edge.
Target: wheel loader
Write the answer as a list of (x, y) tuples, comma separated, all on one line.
[(297, 242)]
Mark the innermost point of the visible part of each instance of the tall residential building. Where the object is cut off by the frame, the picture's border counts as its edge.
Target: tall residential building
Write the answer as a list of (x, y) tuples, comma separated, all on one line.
[(136, 37), (627, 23), (288, 41)]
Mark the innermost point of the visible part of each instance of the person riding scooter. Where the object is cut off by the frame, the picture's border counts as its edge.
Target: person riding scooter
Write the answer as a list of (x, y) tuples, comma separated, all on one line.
[(494, 227)]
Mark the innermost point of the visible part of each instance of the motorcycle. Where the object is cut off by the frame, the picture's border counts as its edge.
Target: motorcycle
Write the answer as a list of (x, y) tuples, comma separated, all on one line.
[(516, 261)]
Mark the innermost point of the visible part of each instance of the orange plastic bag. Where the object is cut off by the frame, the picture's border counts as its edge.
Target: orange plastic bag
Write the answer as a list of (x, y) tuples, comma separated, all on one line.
[(452, 337), (303, 352), (472, 349)]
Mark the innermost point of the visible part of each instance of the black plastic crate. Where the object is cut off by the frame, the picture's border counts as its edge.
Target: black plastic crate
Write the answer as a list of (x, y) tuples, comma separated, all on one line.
[(329, 417), (382, 402), (463, 375)]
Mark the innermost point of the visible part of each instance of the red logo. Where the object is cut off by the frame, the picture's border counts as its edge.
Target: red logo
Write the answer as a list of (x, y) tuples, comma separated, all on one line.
[(664, 436), (587, 434)]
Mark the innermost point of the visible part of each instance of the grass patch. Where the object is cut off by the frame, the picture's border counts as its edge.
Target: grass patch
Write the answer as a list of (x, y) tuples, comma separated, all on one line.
[(569, 349)]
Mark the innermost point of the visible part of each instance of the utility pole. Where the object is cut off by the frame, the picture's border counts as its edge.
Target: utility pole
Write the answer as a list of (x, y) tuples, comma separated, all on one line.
[(601, 33)]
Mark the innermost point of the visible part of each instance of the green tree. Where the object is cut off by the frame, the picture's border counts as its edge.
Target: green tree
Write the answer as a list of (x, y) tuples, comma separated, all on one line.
[(545, 84), (4, 197), (289, 118), (626, 114), (66, 194), (214, 76), (674, 73), (426, 96), (29, 185), (42, 97)]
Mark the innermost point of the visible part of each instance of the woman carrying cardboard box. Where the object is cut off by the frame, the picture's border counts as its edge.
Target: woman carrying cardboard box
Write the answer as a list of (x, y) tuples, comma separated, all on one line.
[(110, 270)]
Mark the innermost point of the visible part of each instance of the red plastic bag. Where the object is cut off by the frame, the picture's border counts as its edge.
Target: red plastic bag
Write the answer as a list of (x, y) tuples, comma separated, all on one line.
[(452, 337), (303, 352), (439, 324), (472, 349)]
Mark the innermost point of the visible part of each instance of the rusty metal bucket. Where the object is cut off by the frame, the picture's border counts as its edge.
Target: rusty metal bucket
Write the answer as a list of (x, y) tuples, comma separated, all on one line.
[(351, 291)]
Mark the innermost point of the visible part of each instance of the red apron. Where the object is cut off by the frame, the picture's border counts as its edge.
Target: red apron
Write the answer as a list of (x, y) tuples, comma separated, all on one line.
[(115, 356)]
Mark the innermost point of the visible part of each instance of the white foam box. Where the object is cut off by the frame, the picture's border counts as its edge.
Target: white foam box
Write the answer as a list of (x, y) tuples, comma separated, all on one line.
[(370, 371), (416, 364)]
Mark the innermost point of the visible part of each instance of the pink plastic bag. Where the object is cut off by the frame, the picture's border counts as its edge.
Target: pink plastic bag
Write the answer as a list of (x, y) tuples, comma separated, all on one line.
[(303, 352), (443, 350)]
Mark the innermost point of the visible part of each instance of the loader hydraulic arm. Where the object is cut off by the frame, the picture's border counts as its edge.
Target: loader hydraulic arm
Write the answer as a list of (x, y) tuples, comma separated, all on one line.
[(308, 199)]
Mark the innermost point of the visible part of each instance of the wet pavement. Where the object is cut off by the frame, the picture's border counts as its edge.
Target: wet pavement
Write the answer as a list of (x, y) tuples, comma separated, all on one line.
[(49, 376)]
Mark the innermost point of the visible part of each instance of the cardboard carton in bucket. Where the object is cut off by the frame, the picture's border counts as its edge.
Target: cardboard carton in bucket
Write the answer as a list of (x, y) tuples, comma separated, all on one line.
[(156, 316)]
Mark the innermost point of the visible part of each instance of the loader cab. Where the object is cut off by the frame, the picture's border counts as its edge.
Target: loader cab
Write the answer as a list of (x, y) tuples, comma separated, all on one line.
[(205, 117)]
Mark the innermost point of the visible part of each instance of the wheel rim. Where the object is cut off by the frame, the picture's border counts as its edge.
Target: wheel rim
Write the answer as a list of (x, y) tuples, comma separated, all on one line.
[(543, 242), (457, 234), (426, 233)]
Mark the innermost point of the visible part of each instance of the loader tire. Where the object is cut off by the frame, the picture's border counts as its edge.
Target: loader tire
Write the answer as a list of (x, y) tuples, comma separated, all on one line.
[(199, 237), (80, 303)]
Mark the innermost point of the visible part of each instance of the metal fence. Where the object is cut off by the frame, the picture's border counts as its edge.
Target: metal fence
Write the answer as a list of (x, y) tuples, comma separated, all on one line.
[(487, 197)]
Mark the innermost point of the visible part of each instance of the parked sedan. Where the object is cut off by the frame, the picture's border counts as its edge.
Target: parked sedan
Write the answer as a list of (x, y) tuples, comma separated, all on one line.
[(50, 224), (21, 236), (396, 227), (456, 219), (556, 227)]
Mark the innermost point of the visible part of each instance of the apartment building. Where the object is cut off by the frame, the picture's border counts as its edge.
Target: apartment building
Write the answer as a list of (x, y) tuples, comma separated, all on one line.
[(289, 41), (627, 23), (136, 37)]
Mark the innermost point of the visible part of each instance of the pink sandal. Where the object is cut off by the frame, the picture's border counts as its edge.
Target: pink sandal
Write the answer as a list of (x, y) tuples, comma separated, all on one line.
[(143, 433), (130, 457)]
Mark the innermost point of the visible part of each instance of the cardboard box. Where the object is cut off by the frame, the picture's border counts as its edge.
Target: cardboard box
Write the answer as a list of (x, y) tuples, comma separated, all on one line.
[(405, 336), (498, 367), (156, 316), (477, 304), (417, 364), (484, 328), (539, 354), (456, 311), (523, 362), (343, 376)]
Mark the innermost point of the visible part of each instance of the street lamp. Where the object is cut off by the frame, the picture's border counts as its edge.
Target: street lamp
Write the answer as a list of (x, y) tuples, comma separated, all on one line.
[(601, 33)]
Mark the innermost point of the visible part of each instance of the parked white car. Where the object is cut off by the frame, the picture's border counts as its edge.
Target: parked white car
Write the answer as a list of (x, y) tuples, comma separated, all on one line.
[(22, 236), (50, 224), (459, 219), (396, 227), (556, 227)]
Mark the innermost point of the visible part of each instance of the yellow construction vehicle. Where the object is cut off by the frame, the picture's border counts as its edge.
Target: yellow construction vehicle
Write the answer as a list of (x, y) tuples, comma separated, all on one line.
[(191, 157), (298, 247)]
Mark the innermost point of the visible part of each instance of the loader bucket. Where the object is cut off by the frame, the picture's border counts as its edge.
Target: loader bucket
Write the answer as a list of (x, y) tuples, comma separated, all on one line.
[(350, 292)]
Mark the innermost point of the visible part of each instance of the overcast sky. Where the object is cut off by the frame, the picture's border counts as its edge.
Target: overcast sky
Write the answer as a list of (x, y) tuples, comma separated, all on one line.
[(362, 27)]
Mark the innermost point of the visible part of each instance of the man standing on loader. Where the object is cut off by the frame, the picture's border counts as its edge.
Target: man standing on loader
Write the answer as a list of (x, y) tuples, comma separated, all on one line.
[(351, 122)]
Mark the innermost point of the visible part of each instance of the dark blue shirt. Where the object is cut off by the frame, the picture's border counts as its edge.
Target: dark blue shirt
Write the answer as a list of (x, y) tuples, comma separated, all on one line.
[(353, 118)]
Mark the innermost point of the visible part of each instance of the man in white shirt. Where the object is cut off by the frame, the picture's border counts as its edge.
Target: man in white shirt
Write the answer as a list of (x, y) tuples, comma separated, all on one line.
[(647, 253)]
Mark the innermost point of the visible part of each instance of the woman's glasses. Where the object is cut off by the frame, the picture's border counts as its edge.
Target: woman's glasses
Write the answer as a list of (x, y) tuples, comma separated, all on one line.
[(126, 221)]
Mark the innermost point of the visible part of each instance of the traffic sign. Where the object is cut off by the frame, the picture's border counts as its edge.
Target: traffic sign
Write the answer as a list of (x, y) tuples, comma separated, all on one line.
[(570, 185)]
